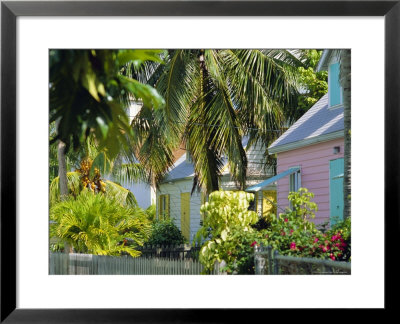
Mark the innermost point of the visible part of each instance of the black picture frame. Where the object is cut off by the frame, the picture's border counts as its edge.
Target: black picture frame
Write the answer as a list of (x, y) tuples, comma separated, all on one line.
[(10, 10)]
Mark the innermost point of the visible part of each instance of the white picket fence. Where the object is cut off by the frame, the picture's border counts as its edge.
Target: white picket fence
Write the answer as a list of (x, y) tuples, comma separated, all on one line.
[(88, 264)]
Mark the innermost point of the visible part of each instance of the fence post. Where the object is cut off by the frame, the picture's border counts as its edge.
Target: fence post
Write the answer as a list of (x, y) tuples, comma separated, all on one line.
[(259, 260), (276, 263), (269, 253)]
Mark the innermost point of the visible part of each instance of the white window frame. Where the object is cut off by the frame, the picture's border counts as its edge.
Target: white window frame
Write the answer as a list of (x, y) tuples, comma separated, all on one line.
[(296, 177), (295, 180)]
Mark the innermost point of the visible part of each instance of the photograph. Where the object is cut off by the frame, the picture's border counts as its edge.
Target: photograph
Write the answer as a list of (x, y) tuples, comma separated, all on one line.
[(214, 161)]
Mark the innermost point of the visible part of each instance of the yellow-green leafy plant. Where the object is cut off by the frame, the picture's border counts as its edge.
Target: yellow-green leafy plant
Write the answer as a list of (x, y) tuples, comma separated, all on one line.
[(227, 231), (98, 224)]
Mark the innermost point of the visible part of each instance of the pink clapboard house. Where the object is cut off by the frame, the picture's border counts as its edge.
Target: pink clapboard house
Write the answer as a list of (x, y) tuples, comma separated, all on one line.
[(310, 152)]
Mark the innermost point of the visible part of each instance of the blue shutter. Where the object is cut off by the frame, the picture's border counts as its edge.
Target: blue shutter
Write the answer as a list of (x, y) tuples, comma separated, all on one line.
[(336, 201), (335, 91)]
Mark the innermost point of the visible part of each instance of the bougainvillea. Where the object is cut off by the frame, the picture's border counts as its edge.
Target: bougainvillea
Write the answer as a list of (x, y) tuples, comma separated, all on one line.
[(292, 233)]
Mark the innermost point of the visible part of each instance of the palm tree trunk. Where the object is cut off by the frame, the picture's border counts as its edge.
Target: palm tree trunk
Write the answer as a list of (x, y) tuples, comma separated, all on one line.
[(345, 80), (62, 170), (213, 182), (62, 174)]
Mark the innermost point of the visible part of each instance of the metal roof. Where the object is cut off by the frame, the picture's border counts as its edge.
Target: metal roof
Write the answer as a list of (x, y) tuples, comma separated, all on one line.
[(318, 120), (182, 168)]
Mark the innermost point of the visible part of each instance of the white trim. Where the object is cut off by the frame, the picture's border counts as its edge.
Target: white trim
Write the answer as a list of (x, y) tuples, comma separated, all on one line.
[(306, 142), (297, 176)]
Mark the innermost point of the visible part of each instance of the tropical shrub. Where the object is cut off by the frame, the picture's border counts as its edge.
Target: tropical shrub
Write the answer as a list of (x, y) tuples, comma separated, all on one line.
[(340, 237), (99, 224), (165, 232), (228, 232), (292, 233), (231, 231), (151, 212), (294, 224)]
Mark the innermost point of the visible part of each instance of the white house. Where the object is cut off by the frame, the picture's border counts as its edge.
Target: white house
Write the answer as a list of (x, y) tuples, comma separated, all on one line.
[(174, 198)]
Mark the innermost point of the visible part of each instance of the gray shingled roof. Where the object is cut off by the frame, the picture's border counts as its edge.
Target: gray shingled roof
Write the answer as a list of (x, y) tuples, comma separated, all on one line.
[(183, 169), (317, 121)]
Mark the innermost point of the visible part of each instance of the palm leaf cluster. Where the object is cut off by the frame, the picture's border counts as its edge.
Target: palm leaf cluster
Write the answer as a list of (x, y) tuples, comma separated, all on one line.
[(97, 224), (90, 166), (212, 99), (88, 94)]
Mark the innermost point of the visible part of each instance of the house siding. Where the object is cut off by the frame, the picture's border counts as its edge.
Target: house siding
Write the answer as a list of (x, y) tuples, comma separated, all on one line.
[(255, 173), (313, 161), (174, 191)]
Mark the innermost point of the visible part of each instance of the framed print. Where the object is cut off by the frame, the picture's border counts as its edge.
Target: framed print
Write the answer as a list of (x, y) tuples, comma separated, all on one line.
[(29, 29)]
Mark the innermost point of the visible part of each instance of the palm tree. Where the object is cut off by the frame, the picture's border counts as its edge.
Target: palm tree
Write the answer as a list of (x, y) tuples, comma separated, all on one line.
[(88, 96), (345, 80), (213, 98), (92, 164)]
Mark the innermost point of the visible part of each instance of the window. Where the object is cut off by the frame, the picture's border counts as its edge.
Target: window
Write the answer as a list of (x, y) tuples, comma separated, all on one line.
[(163, 209), (335, 90), (294, 181)]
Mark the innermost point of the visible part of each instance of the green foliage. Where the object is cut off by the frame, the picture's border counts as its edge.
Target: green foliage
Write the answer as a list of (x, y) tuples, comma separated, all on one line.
[(317, 86), (292, 233), (165, 232), (231, 232), (213, 98), (71, 158), (57, 247), (151, 212), (75, 186), (97, 224), (313, 83), (340, 235), (301, 204), (88, 95), (228, 231), (294, 224)]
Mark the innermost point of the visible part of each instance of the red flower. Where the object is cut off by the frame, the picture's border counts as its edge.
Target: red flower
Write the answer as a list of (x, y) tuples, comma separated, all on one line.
[(286, 220), (293, 246), (254, 243), (283, 233), (316, 240), (291, 231), (332, 257)]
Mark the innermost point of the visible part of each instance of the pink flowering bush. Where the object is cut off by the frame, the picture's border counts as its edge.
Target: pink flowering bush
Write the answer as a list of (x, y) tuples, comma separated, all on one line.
[(292, 233)]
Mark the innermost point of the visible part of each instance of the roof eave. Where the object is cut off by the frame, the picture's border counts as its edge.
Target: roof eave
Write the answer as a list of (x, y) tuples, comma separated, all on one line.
[(306, 142), (322, 64)]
